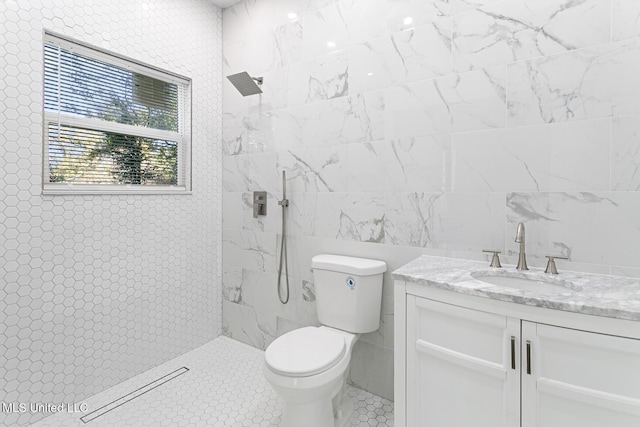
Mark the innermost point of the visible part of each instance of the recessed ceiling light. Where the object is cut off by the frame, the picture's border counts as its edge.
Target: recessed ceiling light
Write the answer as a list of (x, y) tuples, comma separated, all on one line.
[(331, 44), (408, 20), (292, 15), (369, 74)]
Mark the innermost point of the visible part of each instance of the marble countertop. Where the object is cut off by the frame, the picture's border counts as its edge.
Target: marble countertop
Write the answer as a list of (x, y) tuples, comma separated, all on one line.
[(598, 295)]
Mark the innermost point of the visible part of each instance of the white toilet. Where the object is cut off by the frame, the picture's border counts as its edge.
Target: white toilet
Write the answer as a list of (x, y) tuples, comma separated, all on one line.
[(308, 367)]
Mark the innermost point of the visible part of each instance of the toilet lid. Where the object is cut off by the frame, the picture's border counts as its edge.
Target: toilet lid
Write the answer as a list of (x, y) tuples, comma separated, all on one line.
[(305, 352)]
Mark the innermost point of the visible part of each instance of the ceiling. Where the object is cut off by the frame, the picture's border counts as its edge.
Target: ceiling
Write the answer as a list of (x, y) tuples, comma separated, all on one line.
[(224, 3)]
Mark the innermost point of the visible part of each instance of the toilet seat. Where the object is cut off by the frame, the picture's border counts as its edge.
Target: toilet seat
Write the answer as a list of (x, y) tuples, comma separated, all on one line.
[(305, 352)]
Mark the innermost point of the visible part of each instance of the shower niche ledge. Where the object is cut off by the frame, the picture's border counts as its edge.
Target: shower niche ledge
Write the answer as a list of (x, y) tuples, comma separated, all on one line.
[(472, 353)]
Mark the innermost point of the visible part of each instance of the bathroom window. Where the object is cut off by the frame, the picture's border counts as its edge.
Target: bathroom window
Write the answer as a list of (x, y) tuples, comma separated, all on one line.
[(113, 125)]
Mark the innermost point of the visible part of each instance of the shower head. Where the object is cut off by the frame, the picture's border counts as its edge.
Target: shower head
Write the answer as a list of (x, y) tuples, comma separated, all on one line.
[(246, 84)]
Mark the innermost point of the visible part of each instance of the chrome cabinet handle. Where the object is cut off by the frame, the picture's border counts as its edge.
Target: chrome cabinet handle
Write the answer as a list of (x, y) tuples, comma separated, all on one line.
[(528, 357), (513, 352)]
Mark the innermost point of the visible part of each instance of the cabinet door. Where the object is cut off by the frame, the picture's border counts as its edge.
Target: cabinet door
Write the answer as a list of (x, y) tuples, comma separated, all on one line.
[(459, 367), (579, 378)]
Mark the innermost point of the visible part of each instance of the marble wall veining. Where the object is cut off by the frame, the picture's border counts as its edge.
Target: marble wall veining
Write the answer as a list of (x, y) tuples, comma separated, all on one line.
[(411, 127), (95, 289)]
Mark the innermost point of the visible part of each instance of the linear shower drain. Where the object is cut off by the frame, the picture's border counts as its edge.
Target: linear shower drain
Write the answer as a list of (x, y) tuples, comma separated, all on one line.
[(136, 393)]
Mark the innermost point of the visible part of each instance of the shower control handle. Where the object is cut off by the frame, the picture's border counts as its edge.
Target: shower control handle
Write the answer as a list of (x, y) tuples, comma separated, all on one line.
[(259, 203)]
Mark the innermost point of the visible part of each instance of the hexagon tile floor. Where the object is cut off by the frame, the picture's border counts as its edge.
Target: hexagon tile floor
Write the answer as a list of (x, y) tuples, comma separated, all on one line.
[(223, 387)]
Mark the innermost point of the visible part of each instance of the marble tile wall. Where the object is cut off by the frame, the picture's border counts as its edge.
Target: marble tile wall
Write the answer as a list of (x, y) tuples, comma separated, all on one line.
[(425, 126)]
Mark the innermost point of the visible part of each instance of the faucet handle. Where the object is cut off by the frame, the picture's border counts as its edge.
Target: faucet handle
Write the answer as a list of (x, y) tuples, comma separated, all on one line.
[(551, 264), (495, 260)]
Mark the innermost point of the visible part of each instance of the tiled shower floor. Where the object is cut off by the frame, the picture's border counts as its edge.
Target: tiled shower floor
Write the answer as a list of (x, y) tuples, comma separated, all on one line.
[(223, 387)]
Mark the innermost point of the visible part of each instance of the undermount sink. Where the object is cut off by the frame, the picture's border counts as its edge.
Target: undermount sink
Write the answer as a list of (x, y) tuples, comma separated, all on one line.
[(536, 284)]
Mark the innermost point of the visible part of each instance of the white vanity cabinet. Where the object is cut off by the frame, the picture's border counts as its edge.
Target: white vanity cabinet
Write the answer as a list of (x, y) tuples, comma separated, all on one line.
[(468, 361)]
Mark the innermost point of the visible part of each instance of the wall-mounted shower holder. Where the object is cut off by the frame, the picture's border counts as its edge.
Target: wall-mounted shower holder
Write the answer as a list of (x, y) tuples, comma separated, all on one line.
[(259, 203)]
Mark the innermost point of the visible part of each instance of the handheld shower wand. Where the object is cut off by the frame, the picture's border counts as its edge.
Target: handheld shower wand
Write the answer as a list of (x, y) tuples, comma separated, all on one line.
[(283, 244)]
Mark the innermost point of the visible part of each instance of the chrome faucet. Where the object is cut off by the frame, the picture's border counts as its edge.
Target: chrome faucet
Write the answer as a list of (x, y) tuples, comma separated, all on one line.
[(522, 258)]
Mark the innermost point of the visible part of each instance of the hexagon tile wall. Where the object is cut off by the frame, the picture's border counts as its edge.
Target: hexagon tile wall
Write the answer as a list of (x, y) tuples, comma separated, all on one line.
[(96, 289)]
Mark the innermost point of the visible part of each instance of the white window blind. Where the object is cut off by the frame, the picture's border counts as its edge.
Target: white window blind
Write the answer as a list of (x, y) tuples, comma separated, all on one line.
[(112, 125)]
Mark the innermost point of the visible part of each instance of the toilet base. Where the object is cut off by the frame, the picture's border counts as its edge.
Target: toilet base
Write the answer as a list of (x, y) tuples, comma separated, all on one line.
[(344, 412), (318, 413), (324, 412)]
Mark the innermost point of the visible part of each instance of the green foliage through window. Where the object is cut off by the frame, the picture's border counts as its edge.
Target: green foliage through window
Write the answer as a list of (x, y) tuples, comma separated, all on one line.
[(107, 124)]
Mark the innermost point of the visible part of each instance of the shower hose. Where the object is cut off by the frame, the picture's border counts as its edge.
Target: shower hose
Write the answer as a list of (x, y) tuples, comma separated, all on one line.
[(283, 245)]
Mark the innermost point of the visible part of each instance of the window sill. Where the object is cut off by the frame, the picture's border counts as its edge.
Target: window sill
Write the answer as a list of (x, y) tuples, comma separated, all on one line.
[(98, 190)]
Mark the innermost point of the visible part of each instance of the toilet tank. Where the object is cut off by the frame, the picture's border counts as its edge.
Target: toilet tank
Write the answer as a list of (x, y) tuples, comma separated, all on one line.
[(348, 292)]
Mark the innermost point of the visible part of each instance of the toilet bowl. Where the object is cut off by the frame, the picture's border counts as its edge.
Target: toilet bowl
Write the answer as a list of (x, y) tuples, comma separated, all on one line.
[(308, 368)]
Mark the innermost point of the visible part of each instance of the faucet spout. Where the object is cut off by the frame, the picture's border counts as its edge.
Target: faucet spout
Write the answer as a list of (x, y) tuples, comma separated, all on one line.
[(520, 233), (520, 238)]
